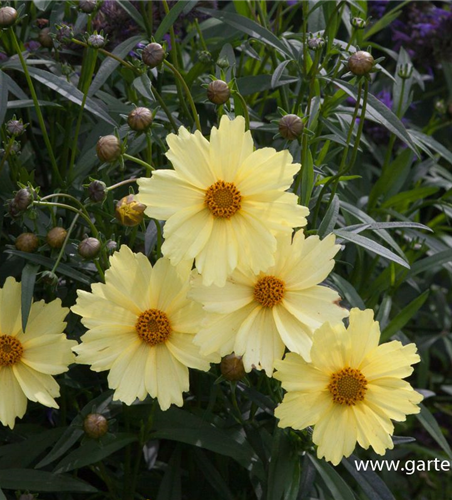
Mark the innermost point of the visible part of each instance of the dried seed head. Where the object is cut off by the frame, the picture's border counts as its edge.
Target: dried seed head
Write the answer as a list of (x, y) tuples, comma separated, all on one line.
[(89, 248), (218, 92), (45, 39), (108, 149), (153, 54), (290, 127), (361, 63), (56, 236), (140, 119), (129, 212), (232, 367), (95, 425), (27, 242), (8, 17)]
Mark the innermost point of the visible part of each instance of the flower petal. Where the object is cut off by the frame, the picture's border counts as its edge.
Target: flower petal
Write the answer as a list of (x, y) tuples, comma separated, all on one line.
[(10, 307), (298, 375), (181, 346), (37, 386), (299, 410), (13, 402), (49, 354)]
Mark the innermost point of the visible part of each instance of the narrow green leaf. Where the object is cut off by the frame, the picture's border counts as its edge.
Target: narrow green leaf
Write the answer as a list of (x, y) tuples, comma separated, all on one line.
[(405, 315), (28, 479), (212, 475), (372, 246), (3, 97), (430, 142), (347, 290), (409, 197), (334, 482), (248, 85), (28, 103), (431, 426), (169, 20), (170, 487), (2, 495), (28, 285), (133, 13), (277, 74), (429, 263), (329, 221)]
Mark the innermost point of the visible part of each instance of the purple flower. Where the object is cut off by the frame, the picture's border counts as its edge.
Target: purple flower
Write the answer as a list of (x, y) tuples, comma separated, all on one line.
[(376, 8), (32, 46)]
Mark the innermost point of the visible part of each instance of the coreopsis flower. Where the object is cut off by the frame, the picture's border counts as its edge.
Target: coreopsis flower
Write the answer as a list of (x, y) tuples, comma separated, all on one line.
[(223, 202), (140, 328), (258, 316), (29, 360), (351, 390)]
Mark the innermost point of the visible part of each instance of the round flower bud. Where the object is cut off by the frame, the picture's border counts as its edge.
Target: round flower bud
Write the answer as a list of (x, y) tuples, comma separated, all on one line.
[(361, 63), (218, 92), (223, 62), (49, 278), (358, 23), (13, 210), (96, 41), (27, 242), (97, 191), (232, 367), (23, 198), (140, 119), (45, 39), (153, 55), (129, 212), (64, 34), (112, 246), (8, 17), (15, 127), (89, 248), (87, 6), (205, 57), (56, 236), (95, 425), (291, 127), (316, 43), (108, 149)]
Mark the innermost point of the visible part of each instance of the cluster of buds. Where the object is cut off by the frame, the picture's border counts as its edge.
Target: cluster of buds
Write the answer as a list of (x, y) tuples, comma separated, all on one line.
[(218, 92), (153, 55), (8, 16)]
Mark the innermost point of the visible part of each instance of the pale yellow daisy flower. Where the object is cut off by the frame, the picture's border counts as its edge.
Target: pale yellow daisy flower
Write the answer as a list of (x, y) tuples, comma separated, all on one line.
[(351, 390), (258, 316), (140, 328), (223, 202), (29, 360)]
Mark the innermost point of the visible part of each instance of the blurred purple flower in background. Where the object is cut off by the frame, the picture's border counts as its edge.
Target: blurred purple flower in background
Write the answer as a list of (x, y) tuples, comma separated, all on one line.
[(32, 45), (376, 8)]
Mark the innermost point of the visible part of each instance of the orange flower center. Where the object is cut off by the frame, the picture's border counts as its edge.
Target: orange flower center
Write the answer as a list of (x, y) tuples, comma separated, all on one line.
[(223, 199), (11, 350), (153, 327), (269, 291), (348, 386)]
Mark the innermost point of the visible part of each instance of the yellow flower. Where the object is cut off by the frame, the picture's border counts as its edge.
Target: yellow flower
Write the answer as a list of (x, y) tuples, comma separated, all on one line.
[(351, 390), (28, 360), (257, 316), (223, 201), (140, 327)]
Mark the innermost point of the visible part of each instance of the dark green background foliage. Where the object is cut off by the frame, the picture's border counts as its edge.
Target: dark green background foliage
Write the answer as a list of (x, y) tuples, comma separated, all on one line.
[(383, 186)]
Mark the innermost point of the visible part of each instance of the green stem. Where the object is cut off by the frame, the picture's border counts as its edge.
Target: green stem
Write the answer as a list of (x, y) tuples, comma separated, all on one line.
[(164, 107), (187, 91), (60, 255), (53, 162), (149, 168), (122, 183)]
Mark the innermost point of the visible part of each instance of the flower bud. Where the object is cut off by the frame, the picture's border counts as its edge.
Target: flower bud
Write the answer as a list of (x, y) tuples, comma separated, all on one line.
[(23, 198), (140, 119), (45, 39), (97, 191), (361, 63), (95, 425), (111, 246), (15, 127), (232, 367), (96, 41), (8, 17), (223, 62), (153, 55), (129, 212), (218, 92), (316, 43), (108, 149), (64, 34), (358, 23), (89, 248), (405, 71), (13, 210), (56, 236), (291, 127), (49, 278), (87, 6), (27, 242), (205, 57)]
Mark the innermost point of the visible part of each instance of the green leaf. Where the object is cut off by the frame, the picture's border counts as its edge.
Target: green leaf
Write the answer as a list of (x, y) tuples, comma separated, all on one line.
[(408, 197), (212, 475), (373, 486), (28, 103), (333, 481), (348, 291), (92, 451), (48, 263), (28, 284), (405, 315), (169, 20), (431, 426), (170, 487), (3, 97), (277, 74), (2, 495), (329, 221), (372, 246), (27, 479), (133, 13), (429, 263), (109, 64), (431, 143), (251, 28), (248, 85)]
